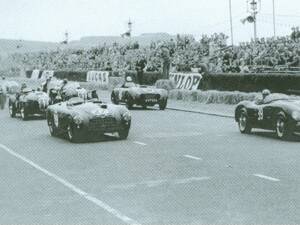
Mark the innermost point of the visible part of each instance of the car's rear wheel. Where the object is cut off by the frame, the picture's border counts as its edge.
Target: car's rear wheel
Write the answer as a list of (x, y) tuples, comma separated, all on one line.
[(11, 109), (163, 104), (283, 130), (73, 133), (243, 122), (114, 99), (23, 112)]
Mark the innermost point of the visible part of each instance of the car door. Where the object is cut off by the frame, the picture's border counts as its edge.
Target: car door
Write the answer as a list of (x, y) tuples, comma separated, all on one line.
[(264, 115)]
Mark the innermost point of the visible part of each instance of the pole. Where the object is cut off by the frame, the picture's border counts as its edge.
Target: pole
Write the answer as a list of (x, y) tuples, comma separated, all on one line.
[(231, 27), (274, 23), (253, 4), (254, 24)]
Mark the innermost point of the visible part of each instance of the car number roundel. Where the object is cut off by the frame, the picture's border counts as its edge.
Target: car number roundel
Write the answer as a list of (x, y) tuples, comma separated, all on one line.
[(55, 118)]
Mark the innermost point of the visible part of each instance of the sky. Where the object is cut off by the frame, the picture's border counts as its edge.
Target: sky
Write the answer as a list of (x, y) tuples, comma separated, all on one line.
[(47, 20)]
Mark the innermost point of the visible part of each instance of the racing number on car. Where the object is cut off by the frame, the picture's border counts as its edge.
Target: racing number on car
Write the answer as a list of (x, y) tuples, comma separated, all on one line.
[(120, 95), (260, 113), (55, 118)]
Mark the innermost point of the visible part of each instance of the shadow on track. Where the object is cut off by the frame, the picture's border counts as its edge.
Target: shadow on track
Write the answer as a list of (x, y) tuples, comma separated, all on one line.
[(272, 135)]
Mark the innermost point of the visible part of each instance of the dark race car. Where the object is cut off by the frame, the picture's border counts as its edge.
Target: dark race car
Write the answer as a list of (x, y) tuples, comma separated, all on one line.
[(277, 112), (28, 103), (134, 94), (80, 119)]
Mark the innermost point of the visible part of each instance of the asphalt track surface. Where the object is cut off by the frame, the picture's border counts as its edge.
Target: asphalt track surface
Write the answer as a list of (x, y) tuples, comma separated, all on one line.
[(174, 168)]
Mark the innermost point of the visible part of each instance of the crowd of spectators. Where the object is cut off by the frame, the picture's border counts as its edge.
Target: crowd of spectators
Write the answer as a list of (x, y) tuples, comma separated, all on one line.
[(182, 53)]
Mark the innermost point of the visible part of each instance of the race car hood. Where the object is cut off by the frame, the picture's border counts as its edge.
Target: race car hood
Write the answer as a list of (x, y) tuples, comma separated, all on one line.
[(148, 90), (288, 104), (89, 110), (36, 96)]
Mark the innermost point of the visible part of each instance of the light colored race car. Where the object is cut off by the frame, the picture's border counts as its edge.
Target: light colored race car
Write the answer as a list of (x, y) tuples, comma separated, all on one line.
[(79, 119), (28, 103), (133, 94)]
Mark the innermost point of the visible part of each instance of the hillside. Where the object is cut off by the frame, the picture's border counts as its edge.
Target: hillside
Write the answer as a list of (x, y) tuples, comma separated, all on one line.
[(21, 46)]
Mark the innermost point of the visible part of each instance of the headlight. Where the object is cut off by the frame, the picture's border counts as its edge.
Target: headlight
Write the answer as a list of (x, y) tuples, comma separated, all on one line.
[(126, 116), (296, 115), (77, 120)]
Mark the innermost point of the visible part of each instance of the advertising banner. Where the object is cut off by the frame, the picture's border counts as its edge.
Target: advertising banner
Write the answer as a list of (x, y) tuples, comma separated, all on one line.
[(100, 77), (186, 81)]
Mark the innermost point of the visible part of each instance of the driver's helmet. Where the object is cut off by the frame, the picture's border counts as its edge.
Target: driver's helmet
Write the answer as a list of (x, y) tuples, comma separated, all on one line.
[(65, 81), (265, 93), (128, 79)]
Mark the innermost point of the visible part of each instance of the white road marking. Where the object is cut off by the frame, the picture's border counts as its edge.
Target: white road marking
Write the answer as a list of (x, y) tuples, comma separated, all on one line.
[(193, 157), (190, 180), (140, 143), (156, 183), (266, 177), (73, 188)]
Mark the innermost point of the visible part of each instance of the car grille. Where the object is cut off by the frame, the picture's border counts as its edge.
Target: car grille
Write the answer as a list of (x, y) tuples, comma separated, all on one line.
[(107, 124)]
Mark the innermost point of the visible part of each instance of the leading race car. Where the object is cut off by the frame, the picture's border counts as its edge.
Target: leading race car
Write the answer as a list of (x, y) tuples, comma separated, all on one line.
[(28, 102), (134, 94), (80, 119), (277, 112)]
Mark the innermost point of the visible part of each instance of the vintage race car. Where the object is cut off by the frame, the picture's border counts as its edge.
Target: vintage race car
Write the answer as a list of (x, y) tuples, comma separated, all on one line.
[(28, 102), (80, 119), (277, 112), (144, 96)]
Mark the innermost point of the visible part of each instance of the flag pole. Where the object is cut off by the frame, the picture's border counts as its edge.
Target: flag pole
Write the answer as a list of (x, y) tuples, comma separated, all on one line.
[(231, 27)]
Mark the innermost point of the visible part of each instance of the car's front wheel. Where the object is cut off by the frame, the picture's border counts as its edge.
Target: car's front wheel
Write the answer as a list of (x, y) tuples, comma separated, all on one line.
[(23, 112), (12, 109), (283, 129), (243, 122), (123, 133), (163, 104), (73, 133), (52, 128), (114, 99)]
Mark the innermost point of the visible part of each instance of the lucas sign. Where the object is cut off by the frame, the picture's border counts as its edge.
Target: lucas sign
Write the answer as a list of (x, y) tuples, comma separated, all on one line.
[(187, 81), (100, 77)]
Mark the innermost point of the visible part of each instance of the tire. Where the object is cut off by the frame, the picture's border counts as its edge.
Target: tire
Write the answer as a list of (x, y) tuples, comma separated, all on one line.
[(244, 125), (123, 133), (23, 112), (114, 99), (52, 128), (11, 109), (129, 101), (73, 133), (283, 129), (163, 104)]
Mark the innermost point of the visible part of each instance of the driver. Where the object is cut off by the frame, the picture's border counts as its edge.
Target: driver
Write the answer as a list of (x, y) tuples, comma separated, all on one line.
[(264, 93), (61, 91), (128, 82)]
